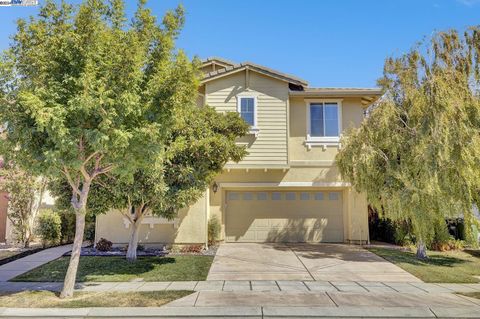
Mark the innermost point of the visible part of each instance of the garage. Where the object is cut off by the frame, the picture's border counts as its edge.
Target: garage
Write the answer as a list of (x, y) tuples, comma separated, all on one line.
[(284, 216)]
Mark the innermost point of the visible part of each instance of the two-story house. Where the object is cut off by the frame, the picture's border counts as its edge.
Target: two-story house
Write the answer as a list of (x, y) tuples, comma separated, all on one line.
[(287, 189)]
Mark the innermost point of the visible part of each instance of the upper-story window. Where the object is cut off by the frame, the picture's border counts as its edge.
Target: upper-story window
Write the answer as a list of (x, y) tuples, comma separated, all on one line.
[(324, 122), (247, 108)]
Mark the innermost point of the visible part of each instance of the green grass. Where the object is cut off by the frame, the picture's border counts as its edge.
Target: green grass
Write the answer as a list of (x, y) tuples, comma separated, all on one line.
[(446, 267), (8, 253), (48, 299), (177, 268)]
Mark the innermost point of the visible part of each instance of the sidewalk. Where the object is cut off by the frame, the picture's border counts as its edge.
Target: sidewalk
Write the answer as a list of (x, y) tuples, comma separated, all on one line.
[(22, 265), (252, 286), (245, 312)]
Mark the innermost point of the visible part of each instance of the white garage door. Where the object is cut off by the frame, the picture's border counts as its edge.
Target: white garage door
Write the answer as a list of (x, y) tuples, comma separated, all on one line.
[(284, 216)]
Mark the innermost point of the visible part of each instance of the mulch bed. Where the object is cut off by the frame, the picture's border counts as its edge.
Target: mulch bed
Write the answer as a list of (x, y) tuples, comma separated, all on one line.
[(147, 252), (117, 251)]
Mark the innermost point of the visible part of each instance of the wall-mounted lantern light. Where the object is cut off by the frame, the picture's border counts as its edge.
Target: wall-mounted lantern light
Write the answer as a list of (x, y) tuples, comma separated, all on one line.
[(215, 187)]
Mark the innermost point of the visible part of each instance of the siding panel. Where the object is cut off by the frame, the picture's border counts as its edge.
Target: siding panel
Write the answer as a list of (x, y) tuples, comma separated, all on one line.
[(270, 147)]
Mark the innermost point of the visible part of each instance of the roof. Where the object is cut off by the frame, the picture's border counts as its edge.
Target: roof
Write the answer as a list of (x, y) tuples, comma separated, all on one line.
[(367, 95), (338, 91), (217, 60), (255, 67)]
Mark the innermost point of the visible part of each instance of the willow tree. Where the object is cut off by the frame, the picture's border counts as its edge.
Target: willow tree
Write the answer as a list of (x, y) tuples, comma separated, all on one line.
[(84, 94), (417, 154)]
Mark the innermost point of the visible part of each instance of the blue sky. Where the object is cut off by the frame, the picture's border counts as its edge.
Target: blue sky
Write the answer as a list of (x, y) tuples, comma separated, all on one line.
[(329, 43)]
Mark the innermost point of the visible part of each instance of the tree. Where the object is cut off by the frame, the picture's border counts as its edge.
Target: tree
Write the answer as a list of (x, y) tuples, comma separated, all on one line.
[(417, 154), (200, 143), (85, 94), (25, 194)]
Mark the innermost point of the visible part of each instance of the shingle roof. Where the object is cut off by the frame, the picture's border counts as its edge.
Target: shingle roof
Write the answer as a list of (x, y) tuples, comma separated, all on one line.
[(217, 59), (255, 67), (326, 91)]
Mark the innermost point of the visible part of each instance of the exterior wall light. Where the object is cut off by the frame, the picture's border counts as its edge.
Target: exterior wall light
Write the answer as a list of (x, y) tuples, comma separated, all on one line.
[(215, 187)]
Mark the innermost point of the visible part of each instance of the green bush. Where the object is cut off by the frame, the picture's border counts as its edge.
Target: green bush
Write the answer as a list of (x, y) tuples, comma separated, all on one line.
[(49, 227), (214, 229), (104, 245), (403, 233), (461, 230), (441, 238), (68, 226)]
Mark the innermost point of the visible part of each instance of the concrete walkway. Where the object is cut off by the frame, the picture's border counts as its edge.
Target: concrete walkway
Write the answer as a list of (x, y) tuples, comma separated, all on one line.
[(323, 262), (22, 265), (244, 312), (252, 286)]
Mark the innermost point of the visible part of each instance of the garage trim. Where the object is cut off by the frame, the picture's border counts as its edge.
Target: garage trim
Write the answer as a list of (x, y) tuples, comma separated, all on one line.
[(286, 184)]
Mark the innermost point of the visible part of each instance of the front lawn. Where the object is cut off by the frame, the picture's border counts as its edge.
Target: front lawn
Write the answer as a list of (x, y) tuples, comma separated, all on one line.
[(446, 267), (175, 268), (48, 299), (8, 253)]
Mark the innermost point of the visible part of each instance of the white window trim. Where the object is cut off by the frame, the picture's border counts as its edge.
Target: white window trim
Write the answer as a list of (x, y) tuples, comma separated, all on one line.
[(323, 141), (254, 128)]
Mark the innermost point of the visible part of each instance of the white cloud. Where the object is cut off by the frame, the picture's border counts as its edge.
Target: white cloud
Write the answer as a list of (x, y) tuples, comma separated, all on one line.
[(468, 3)]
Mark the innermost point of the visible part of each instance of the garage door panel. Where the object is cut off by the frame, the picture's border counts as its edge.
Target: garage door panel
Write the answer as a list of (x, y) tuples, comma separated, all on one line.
[(287, 216)]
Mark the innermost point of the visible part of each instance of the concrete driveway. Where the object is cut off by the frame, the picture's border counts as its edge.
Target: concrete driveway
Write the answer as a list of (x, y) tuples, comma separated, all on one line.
[(325, 262)]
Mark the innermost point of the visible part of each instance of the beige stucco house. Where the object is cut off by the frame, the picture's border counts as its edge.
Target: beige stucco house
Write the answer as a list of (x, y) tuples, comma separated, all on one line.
[(287, 189)]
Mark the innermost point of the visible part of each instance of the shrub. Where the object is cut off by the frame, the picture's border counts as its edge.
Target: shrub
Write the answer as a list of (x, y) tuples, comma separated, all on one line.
[(68, 226), (214, 229), (441, 237), (104, 245), (455, 244), (49, 227), (90, 228)]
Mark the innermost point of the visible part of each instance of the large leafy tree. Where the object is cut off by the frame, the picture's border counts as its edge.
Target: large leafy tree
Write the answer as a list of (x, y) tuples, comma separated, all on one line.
[(84, 94), (417, 154), (200, 143)]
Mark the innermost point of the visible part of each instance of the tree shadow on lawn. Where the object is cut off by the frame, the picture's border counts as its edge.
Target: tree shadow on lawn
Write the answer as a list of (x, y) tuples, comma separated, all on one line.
[(473, 252), (94, 268), (118, 266), (410, 258)]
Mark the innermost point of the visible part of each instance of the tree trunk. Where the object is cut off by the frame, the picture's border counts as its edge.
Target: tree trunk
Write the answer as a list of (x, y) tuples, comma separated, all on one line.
[(421, 250), (133, 243), (70, 277), (28, 237)]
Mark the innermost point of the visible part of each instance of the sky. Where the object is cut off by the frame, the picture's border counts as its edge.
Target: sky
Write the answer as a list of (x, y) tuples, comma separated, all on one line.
[(329, 43)]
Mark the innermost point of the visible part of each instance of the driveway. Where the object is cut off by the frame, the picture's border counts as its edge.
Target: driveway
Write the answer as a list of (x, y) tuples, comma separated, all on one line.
[(323, 262)]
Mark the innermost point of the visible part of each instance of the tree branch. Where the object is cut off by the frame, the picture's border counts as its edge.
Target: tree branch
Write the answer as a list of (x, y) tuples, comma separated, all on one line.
[(70, 180)]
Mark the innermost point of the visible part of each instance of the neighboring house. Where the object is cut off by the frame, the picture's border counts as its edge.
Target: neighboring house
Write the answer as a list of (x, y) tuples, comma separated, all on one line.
[(287, 189)]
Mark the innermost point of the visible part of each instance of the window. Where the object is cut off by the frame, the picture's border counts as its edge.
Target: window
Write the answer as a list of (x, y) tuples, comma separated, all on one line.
[(290, 196), (324, 120), (276, 196), (261, 196), (304, 196), (334, 196), (246, 108), (233, 196), (318, 196), (247, 196)]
